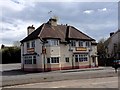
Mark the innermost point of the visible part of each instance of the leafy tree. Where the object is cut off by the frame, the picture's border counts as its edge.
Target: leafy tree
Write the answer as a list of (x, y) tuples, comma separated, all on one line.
[(101, 52), (11, 55)]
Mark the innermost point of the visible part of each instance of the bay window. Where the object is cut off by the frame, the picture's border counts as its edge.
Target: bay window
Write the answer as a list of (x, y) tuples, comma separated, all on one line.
[(53, 42)]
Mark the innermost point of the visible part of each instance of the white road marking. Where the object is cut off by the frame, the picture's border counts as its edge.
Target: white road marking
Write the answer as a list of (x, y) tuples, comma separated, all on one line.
[(104, 82)]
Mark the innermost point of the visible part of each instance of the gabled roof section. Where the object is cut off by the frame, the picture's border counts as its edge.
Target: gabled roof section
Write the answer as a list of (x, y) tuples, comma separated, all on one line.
[(49, 31), (62, 32), (109, 39), (77, 34)]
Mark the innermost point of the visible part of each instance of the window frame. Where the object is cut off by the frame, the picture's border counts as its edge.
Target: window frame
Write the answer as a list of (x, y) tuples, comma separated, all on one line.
[(30, 59), (67, 59), (53, 42), (87, 44), (28, 44), (81, 57), (53, 60), (73, 43), (33, 43), (81, 43)]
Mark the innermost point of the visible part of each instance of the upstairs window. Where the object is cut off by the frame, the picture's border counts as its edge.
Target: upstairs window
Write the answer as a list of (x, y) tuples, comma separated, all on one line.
[(73, 43), (87, 43), (81, 43), (28, 45), (53, 42), (33, 44)]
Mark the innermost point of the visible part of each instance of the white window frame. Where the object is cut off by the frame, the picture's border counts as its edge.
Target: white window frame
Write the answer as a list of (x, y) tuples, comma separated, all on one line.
[(53, 60), (33, 44), (73, 43), (81, 43), (67, 59), (53, 42), (87, 44), (29, 59), (81, 57), (28, 44)]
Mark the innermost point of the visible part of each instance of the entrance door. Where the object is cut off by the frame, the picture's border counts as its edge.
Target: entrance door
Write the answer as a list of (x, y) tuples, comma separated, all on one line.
[(93, 61)]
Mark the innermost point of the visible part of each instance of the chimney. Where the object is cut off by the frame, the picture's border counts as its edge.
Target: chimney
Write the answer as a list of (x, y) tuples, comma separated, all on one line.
[(53, 21), (111, 34), (30, 29)]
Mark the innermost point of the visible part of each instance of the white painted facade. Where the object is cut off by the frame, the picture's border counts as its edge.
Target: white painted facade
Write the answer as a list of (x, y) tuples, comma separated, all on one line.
[(62, 51)]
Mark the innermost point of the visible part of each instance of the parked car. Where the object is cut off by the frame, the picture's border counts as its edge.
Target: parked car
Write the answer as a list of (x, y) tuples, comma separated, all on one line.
[(116, 63)]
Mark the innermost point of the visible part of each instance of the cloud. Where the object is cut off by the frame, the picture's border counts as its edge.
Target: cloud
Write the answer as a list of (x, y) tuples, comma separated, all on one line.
[(84, 16), (88, 11), (104, 9)]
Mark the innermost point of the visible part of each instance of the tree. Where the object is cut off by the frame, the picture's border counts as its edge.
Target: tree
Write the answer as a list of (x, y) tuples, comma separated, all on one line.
[(2, 46), (101, 52), (11, 55)]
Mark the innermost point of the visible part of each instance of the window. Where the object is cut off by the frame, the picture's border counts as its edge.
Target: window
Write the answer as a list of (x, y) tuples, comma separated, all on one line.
[(31, 59), (54, 59), (76, 58), (48, 60), (28, 45), (34, 59), (33, 44), (81, 43), (87, 44), (73, 43), (81, 57), (67, 59), (53, 42)]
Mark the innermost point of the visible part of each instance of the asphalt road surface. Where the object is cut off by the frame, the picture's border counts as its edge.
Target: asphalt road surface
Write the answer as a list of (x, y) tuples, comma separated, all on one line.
[(12, 76), (108, 82)]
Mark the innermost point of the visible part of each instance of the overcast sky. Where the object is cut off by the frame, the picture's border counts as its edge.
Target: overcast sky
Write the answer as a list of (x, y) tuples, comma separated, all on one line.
[(96, 19)]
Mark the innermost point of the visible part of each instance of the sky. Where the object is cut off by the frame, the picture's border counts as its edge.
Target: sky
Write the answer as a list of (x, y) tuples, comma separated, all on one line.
[(96, 18)]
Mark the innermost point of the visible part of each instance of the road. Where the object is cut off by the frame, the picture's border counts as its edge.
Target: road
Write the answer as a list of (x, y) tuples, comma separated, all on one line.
[(108, 82), (15, 77)]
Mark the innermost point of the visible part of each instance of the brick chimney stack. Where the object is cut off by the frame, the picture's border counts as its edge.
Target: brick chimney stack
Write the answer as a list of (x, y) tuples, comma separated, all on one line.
[(30, 29), (53, 21)]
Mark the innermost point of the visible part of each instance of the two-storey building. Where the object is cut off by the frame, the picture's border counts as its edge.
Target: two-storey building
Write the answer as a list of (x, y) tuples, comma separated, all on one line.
[(57, 47)]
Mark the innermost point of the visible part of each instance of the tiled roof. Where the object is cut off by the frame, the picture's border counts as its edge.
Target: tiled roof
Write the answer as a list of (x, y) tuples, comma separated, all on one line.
[(62, 32)]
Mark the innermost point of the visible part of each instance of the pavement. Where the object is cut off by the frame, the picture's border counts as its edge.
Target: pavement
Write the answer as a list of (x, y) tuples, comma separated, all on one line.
[(15, 76)]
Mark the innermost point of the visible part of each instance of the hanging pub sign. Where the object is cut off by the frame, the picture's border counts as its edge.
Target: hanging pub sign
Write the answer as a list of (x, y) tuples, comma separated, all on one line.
[(30, 50)]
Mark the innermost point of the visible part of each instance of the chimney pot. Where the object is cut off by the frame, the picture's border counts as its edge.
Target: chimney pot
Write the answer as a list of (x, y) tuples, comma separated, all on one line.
[(111, 34)]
